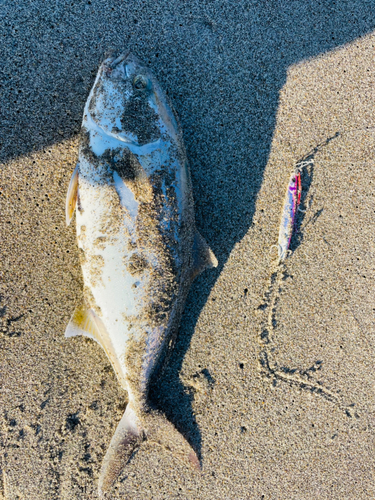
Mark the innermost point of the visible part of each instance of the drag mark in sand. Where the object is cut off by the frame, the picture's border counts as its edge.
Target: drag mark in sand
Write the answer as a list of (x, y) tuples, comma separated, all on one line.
[(269, 367)]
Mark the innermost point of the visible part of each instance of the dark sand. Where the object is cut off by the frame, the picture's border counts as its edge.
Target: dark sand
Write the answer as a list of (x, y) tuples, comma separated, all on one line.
[(274, 390)]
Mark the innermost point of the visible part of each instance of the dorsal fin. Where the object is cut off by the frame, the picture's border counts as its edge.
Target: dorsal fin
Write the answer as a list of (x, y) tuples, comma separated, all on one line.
[(203, 256), (71, 196)]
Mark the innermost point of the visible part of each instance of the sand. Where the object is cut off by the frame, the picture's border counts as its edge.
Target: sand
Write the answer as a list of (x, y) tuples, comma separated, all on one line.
[(272, 376)]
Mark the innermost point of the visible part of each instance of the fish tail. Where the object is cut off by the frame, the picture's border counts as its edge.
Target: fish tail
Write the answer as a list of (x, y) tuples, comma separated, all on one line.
[(127, 437), (159, 430), (131, 431)]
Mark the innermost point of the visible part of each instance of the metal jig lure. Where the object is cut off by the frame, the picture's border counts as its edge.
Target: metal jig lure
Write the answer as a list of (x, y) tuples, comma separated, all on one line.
[(288, 217)]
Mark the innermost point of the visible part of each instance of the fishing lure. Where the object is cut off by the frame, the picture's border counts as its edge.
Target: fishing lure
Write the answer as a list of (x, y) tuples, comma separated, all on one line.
[(288, 217)]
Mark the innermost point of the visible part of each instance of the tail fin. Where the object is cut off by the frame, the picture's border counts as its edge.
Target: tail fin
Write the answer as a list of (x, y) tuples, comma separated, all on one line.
[(161, 431), (126, 438), (130, 433)]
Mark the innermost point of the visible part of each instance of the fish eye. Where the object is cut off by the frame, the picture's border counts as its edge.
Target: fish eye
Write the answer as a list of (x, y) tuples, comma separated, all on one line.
[(139, 82)]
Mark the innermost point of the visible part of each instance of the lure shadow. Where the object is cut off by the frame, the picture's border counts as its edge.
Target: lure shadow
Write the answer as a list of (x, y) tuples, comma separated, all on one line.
[(307, 175)]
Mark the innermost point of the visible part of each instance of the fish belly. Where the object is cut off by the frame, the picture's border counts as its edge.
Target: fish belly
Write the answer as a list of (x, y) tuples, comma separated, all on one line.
[(104, 233)]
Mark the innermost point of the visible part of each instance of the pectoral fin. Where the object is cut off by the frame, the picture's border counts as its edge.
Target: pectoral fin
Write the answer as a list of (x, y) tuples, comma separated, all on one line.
[(84, 322), (71, 197), (203, 255)]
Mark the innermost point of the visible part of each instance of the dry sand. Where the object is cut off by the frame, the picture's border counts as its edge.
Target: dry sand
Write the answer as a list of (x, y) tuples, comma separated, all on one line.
[(272, 378)]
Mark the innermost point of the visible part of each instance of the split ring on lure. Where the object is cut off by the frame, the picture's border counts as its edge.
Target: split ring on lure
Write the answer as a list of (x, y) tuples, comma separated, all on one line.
[(291, 203)]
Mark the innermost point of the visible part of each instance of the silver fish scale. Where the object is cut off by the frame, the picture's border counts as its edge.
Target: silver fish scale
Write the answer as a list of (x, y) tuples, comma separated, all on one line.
[(138, 244)]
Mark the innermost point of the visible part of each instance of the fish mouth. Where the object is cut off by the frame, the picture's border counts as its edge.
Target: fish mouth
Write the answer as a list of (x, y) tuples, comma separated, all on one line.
[(112, 62), (120, 58)]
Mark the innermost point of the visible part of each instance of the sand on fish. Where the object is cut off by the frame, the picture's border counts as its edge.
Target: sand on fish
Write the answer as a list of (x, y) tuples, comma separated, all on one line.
[(271, 379)]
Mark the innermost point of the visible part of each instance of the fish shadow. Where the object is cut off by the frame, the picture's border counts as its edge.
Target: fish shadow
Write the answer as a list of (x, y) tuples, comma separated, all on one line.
[(167, 391)]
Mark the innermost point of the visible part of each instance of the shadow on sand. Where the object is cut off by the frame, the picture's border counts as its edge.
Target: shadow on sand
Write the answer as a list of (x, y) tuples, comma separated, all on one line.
[(223, 66)]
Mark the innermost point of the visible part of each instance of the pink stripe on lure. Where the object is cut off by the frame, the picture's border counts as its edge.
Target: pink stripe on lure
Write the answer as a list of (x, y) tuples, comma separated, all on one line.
[(292, 201)]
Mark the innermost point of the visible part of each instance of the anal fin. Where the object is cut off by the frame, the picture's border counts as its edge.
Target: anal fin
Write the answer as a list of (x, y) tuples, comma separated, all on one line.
[(204, 257)]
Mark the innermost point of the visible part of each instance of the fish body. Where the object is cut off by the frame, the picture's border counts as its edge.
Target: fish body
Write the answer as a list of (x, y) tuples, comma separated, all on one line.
[(138, 245), (291, 203)]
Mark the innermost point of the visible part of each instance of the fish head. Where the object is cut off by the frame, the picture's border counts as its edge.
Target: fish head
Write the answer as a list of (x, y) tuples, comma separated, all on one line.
[(128, 103)]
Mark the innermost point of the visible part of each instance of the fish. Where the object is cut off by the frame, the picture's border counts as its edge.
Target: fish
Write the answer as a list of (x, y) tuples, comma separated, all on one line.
[(138, 245), (288, 216)]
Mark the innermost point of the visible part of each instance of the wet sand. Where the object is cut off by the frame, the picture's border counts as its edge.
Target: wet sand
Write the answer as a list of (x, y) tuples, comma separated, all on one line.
[(272, 377)]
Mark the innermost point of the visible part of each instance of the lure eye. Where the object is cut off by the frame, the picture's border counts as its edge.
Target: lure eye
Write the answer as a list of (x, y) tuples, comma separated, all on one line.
[(139, 82)]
